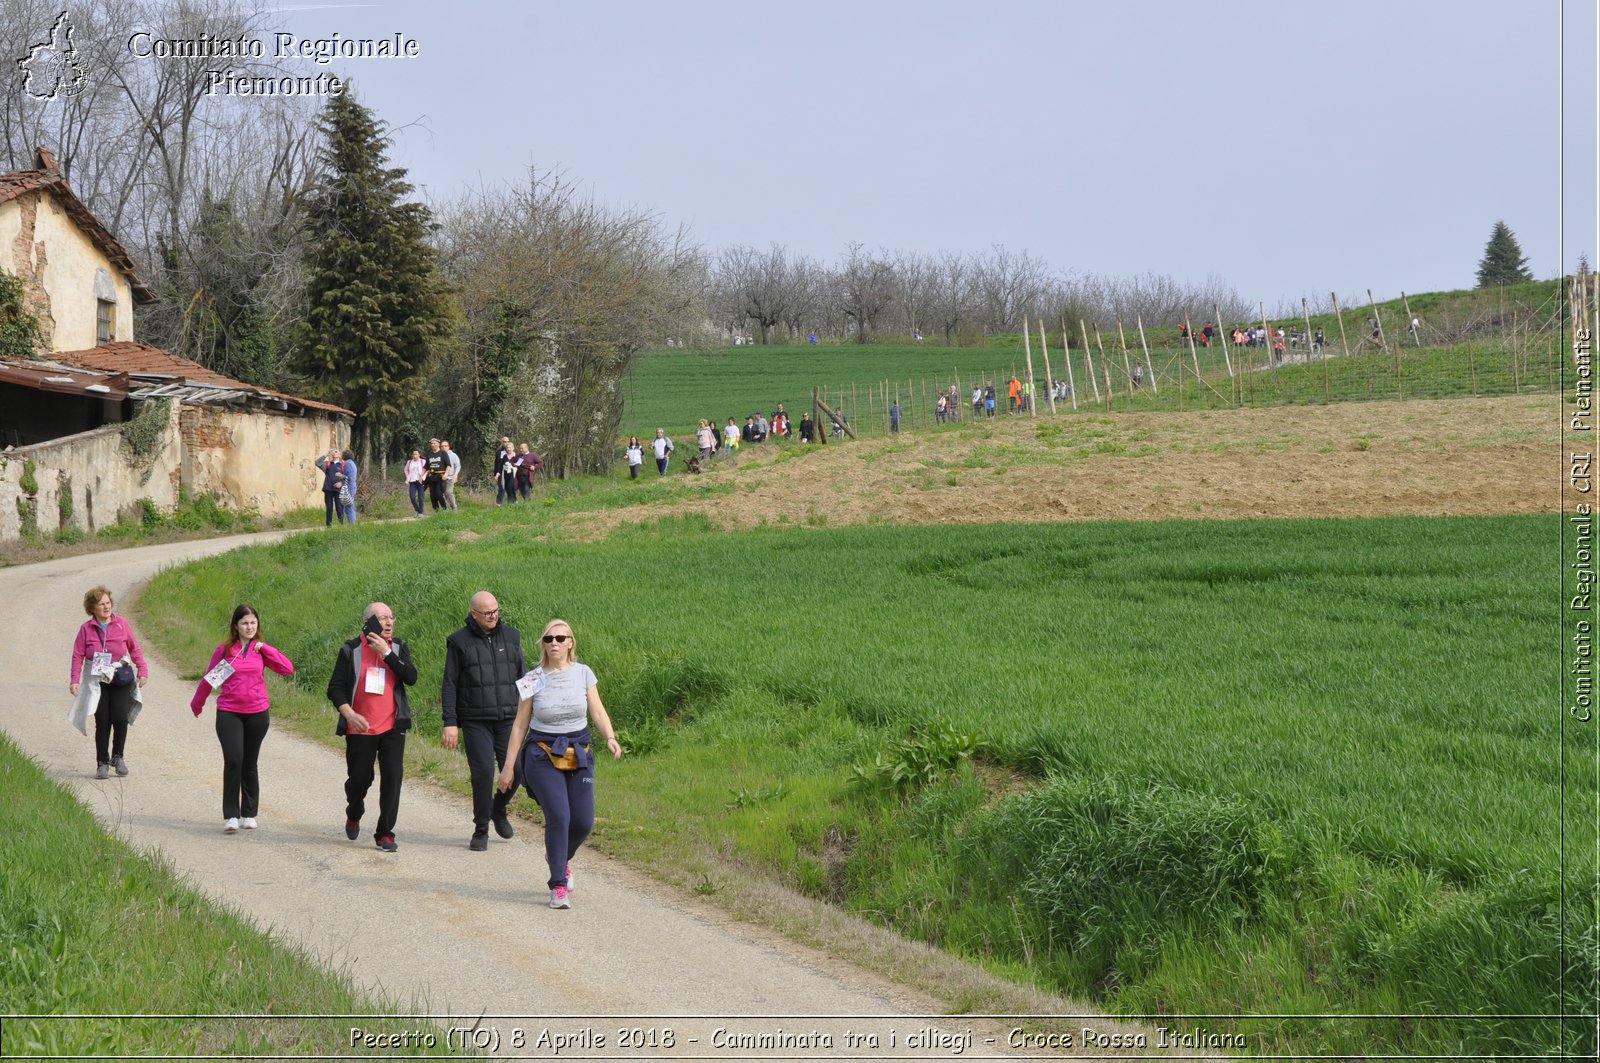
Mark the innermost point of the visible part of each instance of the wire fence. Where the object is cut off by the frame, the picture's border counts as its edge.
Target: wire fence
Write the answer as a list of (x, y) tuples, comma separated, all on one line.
[(1482, 347)]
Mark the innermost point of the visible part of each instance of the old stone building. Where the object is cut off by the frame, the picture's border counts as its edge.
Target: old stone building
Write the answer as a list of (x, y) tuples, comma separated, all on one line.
[(98, 423)]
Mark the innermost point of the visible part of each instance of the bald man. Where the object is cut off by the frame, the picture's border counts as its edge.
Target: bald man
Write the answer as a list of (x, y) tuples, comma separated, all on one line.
[(482, 663)]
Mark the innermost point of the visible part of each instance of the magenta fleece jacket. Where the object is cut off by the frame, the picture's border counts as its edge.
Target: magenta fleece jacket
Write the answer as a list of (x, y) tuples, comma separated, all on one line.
[(119, 641), (244, 691)]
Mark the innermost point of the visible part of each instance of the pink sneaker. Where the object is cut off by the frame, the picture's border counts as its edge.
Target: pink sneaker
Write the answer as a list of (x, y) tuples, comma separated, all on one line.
[(569, 877), (558, 898)]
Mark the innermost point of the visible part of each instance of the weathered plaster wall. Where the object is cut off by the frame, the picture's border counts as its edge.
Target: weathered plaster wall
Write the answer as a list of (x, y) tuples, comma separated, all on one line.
[(103, 481), (248, 459), (40, 243), (255, 459)]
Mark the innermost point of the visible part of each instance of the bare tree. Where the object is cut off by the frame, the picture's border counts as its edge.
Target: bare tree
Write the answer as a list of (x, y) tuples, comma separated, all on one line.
[(558, 293), (864, 288), (756, 285), (950, 293), (915, 276), (1009, 284), (199, 186)]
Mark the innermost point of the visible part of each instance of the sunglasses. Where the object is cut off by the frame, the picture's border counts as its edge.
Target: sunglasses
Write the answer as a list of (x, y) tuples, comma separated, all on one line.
[(556, 638)]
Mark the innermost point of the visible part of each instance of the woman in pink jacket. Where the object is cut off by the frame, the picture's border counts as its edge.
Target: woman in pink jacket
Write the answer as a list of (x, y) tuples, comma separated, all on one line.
[(238, 673), (108, 635)]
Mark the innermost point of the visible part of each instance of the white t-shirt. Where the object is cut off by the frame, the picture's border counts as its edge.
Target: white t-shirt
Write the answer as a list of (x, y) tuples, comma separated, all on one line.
[(562, 704)]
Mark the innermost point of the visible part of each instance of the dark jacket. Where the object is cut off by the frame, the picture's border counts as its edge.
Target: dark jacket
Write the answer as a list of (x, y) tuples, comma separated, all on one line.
[(481, 673), (342, 684), (332, 474)]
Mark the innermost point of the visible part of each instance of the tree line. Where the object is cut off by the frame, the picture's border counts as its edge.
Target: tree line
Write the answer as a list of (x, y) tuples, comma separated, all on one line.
[(780, 296)]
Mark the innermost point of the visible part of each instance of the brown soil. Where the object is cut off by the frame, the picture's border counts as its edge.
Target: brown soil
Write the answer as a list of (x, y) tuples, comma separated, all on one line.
[(1432, 458)]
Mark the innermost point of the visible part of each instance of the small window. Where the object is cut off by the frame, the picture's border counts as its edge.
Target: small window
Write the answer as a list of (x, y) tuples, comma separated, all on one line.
[(105, 321)]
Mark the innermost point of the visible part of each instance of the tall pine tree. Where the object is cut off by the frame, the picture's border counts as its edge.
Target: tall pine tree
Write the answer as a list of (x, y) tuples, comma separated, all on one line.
[(1503, 262), (377, 306)]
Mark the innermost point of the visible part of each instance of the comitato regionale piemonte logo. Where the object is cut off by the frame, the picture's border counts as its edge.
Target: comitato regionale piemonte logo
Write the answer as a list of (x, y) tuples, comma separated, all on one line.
[(50, 69)]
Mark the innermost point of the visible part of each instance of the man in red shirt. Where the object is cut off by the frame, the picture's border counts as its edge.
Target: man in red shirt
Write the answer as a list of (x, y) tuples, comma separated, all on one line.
[(368, 688)]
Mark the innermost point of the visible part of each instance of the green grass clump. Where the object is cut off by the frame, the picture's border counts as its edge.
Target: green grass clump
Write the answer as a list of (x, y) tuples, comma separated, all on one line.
[(90, 930), (1205, 767)]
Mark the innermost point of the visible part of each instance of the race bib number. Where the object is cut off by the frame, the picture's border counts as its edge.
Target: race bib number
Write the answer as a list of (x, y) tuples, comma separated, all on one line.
[(529, 685), (101, 665), (376, 677), (219, 675)]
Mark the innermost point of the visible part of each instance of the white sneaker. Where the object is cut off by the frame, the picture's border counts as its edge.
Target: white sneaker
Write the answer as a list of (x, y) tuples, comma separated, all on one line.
[(248, 823), (558, 898), (231, 827), (569, 876)]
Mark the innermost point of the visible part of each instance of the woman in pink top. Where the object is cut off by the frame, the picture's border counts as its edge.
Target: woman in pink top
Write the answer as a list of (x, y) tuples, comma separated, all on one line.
[(108, 634), (238, 673)]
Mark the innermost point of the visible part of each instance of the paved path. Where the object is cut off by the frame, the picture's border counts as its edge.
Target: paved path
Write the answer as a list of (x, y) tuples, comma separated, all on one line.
[(435, 927)]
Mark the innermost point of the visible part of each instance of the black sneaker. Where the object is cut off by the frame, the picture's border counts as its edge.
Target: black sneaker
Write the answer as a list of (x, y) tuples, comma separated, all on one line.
[(480, 841), (502, 825), (386, 842), (352, 829)]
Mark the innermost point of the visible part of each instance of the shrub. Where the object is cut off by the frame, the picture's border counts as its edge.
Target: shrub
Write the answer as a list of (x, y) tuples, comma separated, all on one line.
[(917, 761), (1113, 869)]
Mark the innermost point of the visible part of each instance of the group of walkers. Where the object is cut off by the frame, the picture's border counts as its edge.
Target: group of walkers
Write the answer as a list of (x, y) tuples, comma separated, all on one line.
[(516, 466), (434, 474), (338, 485), (711, 440), (518, 726)]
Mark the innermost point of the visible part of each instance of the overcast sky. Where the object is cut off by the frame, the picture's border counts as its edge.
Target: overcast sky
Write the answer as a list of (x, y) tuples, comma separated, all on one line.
[(1287, 148)]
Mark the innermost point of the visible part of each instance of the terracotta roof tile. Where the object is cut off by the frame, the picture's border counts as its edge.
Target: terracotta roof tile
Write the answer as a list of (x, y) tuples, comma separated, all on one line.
[(139, 360)]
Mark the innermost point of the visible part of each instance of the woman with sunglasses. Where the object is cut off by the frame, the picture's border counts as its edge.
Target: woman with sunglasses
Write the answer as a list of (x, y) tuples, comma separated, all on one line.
[(560, 699)]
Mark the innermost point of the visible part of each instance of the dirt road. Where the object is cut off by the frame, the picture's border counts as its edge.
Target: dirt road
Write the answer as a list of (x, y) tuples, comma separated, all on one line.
[(436, 927)]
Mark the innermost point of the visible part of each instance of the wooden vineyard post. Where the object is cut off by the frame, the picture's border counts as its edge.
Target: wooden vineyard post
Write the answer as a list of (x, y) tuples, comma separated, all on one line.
[(1044, 353), (1105, 365), (817, 430), (1088, 366), (1305, 313), (1383, 341), (837, 417), (1268, 339), (1416, 333), (1189, 328), (1027, 352), (1127, 367), (1149, 366), (1227, 357), (1516, 379), (1066, 360), (1343, 341)]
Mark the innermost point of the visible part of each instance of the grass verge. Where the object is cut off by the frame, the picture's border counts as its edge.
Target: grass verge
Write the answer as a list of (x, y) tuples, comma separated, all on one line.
[(109, 953), (1238, 768)]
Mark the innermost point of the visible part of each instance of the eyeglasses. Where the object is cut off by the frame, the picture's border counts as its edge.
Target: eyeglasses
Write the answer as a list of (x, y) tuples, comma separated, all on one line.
[(556, 638), (487, 612)]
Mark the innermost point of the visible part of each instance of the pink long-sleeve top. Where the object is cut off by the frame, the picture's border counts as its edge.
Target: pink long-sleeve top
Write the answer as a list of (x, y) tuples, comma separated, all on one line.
[(118, 640), (244, 691)]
